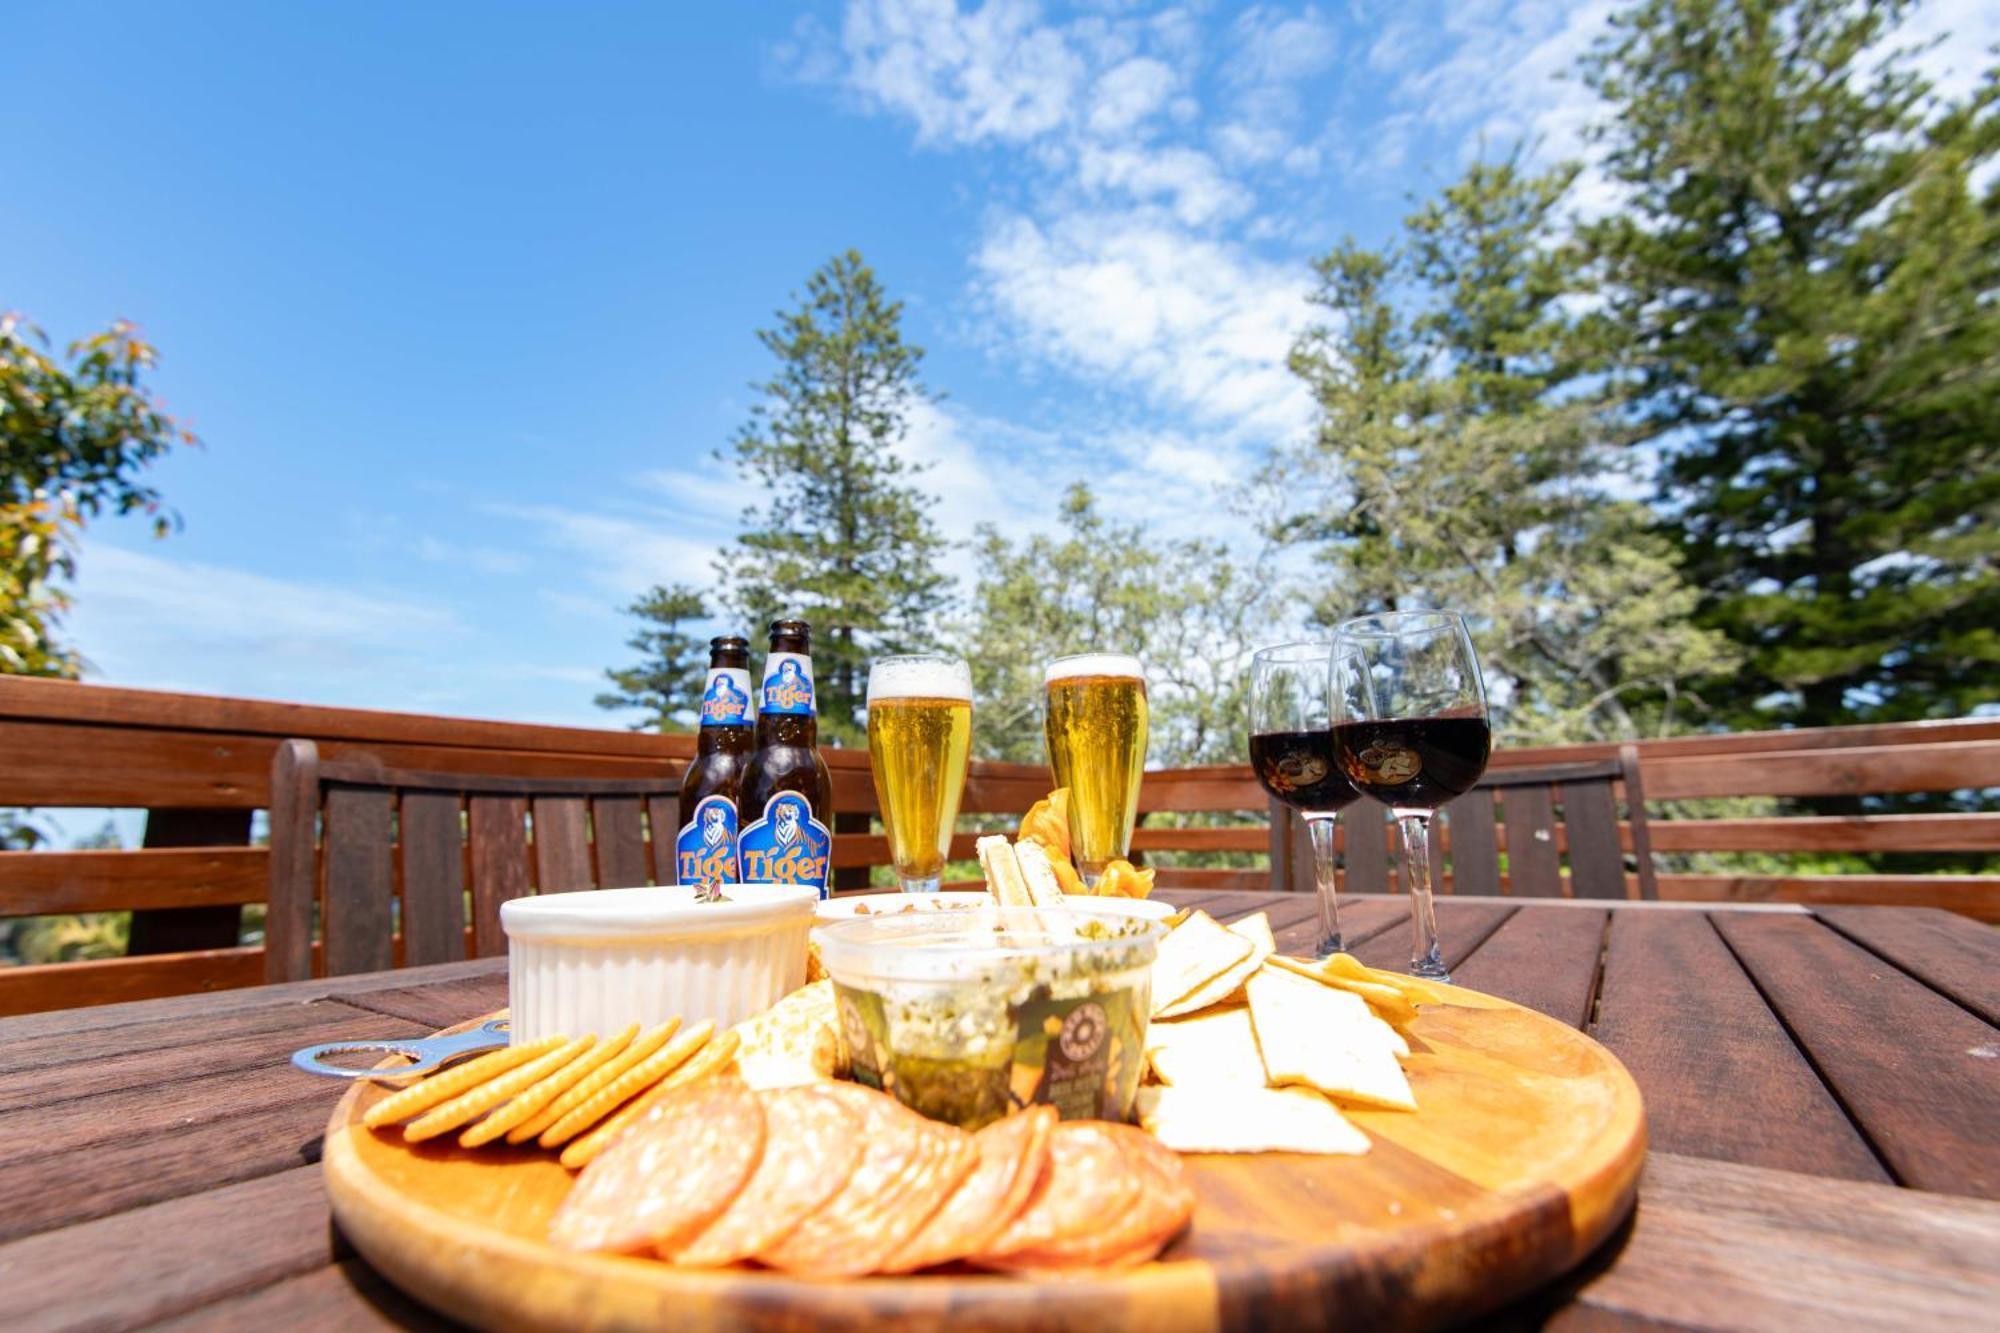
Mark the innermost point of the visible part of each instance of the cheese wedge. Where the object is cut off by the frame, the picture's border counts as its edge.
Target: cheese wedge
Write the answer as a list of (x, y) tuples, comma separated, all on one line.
[(1208, 1050), (1326, 1039), (1235, 1118)]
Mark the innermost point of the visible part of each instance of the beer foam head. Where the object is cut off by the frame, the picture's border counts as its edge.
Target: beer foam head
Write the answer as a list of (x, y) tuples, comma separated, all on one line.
[(1095, 664), (920, 678)]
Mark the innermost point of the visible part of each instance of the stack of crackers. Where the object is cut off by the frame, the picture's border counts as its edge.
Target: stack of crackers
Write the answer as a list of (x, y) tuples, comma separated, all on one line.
[(1251, 1051), (573, 1093)]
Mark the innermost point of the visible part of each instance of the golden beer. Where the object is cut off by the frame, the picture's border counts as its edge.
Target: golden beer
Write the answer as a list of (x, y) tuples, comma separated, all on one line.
[(919, 746), (1097, 721)]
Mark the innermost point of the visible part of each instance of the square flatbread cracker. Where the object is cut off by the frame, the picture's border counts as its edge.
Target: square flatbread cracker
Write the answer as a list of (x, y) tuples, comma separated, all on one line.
[(1325, 1038), (1206, 1050), (1255, 928), (1194, 953), (1235, 1118)]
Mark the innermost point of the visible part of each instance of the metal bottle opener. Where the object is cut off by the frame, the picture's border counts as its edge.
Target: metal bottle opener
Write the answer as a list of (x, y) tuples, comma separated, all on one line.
[(429, 1053)]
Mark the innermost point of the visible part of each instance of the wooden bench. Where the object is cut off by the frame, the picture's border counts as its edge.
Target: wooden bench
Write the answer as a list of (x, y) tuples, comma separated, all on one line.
[(200, 767)]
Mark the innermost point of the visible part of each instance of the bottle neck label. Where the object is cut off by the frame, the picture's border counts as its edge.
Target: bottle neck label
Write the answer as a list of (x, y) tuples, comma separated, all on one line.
[(706, 847), (788, 684), (726, 700), (786, 844)]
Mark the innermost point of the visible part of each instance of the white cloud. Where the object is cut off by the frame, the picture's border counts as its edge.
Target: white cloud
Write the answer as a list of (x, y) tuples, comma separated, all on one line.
[(623, 554), (1195, 325), (990, 73), (1130, 93), (1186, 178), (152, 620), (485, 559)]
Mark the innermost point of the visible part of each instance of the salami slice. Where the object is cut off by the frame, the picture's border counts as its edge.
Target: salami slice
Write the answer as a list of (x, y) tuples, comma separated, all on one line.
[(669, 1175), (1012, 1155), (908, 1167), (1090, 1178), (1161, 1209), (812, 1143)]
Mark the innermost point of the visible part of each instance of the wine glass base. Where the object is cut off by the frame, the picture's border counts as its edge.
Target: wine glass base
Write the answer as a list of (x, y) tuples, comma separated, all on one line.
[(1430, 971), (920, 885), (1330, 946)]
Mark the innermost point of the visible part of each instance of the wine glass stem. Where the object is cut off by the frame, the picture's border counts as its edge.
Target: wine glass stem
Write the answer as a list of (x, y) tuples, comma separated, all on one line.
[(1330, 941), (1426, 958)]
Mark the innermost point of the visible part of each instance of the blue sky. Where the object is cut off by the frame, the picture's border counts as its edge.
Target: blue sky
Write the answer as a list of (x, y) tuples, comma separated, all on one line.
[(462, 297)]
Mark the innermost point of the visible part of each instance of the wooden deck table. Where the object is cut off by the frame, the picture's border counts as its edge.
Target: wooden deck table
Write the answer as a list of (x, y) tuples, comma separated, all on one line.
[(1822, 1086)]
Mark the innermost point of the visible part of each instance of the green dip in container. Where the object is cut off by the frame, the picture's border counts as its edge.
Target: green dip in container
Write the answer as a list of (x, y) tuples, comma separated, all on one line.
[(967, 1016)]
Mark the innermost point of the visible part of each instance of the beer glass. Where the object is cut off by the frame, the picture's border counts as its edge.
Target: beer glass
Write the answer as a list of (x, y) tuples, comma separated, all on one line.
[(1410, 730), (1096, 725), (1291, 749), (919, 747)]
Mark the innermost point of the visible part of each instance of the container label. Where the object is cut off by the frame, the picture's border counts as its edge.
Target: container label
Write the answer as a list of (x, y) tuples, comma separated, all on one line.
[(726, 701), (788, 683), (706, 848), (786, 845)]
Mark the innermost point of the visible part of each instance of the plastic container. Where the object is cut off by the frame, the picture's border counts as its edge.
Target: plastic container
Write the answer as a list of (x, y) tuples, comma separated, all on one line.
[(965, 1016), (601, 960)]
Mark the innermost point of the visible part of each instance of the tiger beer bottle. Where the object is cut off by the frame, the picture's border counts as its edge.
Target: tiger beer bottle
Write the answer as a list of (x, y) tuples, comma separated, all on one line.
[(787, 797), (706, 847)]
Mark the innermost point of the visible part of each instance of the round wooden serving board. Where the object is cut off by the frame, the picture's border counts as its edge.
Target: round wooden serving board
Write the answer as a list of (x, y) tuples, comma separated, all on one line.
[(1524, 1156)]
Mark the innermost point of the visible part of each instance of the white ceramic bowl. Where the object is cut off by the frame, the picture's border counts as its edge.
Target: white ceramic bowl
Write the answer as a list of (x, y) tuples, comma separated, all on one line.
[(601, 960), (845, 908)]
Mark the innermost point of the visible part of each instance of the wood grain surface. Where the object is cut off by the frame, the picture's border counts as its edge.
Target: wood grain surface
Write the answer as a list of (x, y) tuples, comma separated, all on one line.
[(166, 1157), (1524, 1154)]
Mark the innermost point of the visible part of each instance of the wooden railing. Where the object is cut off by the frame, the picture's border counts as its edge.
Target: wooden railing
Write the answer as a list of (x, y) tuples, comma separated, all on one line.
[(200, 767)]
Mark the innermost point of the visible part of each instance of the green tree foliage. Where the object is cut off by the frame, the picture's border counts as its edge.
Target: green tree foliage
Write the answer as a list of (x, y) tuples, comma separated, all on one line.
[(1809, 279), (1464, 456), (839, 535), (1188, 609), (74, 438), (667, 680)]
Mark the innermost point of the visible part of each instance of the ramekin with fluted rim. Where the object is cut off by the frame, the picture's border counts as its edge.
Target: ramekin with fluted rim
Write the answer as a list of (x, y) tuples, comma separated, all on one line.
[(601, 960)]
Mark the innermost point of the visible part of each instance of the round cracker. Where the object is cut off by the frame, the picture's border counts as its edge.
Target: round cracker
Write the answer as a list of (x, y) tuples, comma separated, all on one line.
[(1089, 1179), (1013, 1152), (1161, 1209), (665, 1182), (892, 1141), (812, 1143)]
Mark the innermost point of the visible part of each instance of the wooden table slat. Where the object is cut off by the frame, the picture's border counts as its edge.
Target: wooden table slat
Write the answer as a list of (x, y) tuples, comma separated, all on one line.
[(1951, 953), (1920, 1073), (1543, 957), (1463, 925), (440, 1004), (169, 1257), (346, 1295), (1716, 1245), (1720, 1076), (159, 1058)]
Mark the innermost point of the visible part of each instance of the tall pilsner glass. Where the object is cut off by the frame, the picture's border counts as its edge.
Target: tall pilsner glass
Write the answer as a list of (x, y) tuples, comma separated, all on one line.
[(919, 747), (1410, 730), (1291, 750), (1097, 723)]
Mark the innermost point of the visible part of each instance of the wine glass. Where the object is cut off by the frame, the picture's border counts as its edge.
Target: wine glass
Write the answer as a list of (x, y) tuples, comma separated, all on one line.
[(1410, 730), (1291, 749)]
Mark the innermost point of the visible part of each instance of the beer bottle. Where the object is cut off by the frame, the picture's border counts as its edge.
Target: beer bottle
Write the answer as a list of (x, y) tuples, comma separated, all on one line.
[(787, 797), (706, 846)]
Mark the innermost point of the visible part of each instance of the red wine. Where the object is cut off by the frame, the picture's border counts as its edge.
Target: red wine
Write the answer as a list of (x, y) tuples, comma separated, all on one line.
[(1298, 768), (1415, 763)]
